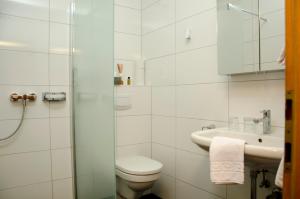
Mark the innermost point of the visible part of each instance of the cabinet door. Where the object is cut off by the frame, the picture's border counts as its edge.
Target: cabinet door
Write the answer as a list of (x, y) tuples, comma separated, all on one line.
[(272, 34), (238, 36), (250, 35)]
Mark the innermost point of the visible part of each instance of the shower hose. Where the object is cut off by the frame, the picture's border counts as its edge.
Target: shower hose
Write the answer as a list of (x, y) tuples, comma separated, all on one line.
[(19, 125)]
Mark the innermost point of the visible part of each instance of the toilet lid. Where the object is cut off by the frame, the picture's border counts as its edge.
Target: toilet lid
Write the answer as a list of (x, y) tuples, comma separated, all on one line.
[(138, 165)]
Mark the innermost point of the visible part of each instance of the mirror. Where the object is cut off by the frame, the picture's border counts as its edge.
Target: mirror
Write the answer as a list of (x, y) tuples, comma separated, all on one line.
[(250, 35)]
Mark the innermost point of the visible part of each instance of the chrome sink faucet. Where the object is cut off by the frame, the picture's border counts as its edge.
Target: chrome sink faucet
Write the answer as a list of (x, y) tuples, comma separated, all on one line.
[(211, 126), (266, 120)]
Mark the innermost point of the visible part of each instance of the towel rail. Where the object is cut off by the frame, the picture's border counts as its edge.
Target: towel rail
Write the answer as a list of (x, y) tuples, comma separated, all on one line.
[(230, 5)]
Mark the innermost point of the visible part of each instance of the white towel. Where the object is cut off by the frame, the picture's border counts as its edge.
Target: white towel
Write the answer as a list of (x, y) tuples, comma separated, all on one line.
[(279, 174), (227, 160), (281, 58)]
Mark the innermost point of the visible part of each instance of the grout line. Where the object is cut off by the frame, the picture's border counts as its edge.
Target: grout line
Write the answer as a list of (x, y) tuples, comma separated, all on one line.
[(123, 6), (23, 51), (134, 86), (61, 179), (202, 189), (228, 103), (175, 100), (272, 36), (122, 59), (27, 185), (5, 120), (25, 152), (33, 19), (180, 149), (189, 84), (35, 151), (256, 80), (141, 36), (61, 148), (181, 52), (159, 28), (197, 13), (178, 21), (201, 119), (26, 51), (187, 51), (151, 122), (36, 183), (158, 57), (49, 107), (264, 38), (59, 22), (35, 85), (142, 115), (150, 5), (272, 12), (198, 48), (27, 18), (269, 62), (128, 33), (219, 82), (150, 87), (133, 144), (35, 118)]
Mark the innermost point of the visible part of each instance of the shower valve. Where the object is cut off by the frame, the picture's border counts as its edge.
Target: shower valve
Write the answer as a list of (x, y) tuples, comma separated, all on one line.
[(16, 97)]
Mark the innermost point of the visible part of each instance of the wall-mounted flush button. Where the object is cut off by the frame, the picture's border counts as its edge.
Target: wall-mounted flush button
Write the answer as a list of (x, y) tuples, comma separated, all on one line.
[(188, 34), (54, 96), (122, 102)]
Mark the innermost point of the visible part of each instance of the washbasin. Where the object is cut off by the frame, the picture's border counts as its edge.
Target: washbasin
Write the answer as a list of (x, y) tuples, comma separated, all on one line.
[(260, 150)]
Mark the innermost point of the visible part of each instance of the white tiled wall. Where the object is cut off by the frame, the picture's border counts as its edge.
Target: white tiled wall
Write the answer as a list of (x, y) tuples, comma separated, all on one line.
[(133, 126), (34, 57), (187, 93)]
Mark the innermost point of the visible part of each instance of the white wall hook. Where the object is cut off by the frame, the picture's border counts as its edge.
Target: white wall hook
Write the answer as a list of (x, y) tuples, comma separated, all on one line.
[(188, 34)]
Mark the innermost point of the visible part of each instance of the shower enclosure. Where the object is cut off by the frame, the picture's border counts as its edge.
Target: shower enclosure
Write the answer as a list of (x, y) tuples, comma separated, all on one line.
[(93, 98)]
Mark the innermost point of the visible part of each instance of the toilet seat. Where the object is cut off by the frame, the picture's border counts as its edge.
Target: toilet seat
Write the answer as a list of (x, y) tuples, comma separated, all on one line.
[(138, 165), (138, 169), (137, 178)]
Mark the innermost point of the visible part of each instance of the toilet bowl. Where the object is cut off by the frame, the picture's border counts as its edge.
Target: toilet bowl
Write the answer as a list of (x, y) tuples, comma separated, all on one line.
[(136, 174)]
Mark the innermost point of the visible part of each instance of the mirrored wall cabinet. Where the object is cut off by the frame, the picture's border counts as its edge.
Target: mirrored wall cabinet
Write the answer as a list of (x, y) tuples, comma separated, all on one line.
[(251, 35)]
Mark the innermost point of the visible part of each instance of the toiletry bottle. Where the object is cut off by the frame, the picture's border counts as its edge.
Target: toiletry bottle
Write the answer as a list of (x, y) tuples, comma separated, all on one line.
[(128, 81), (120, 70)]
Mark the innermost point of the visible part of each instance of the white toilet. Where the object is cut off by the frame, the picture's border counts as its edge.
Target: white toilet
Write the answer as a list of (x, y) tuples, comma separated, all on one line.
[(136, 174)]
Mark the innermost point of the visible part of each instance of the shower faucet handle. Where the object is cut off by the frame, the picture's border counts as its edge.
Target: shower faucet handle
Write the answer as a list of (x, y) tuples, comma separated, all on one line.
[(14, 97), (30, 97)]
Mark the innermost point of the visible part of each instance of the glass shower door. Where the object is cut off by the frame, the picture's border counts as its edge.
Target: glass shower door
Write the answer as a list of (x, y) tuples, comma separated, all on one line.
[(92, 36)]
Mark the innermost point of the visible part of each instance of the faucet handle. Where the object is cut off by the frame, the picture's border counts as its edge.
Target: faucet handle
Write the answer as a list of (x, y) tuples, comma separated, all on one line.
[(211, 126), (14, 97), (266, 121), (266, 113)]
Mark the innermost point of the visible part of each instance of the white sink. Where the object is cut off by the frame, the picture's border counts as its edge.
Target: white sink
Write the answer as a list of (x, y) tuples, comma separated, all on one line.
[(260, 151)]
